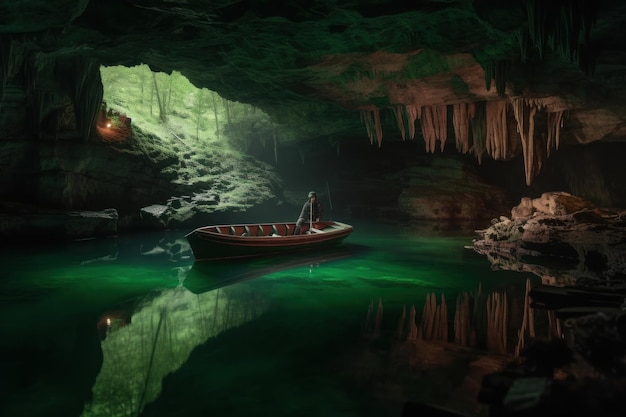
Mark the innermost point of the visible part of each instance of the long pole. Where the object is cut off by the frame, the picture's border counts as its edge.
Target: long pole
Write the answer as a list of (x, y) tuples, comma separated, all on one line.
[(330, 200), (310, 215)]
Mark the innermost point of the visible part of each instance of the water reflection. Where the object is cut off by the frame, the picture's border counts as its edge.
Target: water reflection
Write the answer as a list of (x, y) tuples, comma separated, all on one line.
[(388, 317), (167, 325), (161, 333)]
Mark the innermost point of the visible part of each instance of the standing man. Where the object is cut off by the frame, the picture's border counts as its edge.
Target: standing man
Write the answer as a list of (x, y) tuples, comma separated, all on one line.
[(311, 213)]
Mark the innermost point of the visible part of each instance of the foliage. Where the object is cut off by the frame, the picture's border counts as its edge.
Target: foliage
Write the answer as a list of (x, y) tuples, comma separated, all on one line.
[(169, 107)]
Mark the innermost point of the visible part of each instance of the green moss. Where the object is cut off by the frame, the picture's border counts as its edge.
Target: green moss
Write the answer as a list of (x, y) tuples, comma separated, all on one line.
[(459, 86), (426, 64)]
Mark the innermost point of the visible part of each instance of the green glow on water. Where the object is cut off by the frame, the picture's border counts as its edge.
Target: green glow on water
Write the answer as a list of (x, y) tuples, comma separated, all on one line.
[(265, 337)]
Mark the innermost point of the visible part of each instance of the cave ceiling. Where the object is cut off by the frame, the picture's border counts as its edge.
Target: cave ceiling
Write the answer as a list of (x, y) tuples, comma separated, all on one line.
[(357, 68)]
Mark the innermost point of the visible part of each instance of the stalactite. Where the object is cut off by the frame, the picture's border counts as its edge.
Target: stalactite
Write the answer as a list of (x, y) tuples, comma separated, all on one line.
[(7, 64), (524, 111), (497, 132), (462, 115), (489, 71), (479, 131), (413, 113), (371, 118), (428, 129), (441, 125), (366, 118), (80, 78), (555, 121), (434, 123), (501, 73), (400, 120), (523, 41), (565, 26)]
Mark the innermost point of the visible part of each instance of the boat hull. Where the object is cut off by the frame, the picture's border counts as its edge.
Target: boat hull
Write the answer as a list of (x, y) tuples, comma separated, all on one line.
[(267, 239)]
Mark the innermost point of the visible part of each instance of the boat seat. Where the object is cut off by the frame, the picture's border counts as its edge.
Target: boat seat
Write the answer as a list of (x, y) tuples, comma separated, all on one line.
[(266, 230), (238, 230), (281, 229), (252, 230), (223, 230)]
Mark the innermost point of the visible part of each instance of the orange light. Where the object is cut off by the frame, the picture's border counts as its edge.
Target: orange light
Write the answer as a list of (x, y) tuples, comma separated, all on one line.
[(108, 124)]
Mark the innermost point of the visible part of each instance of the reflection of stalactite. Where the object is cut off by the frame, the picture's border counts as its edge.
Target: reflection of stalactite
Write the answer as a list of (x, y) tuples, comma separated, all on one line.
[(400, 328), (412, 325), (371, 328), (554, 326), (462, 320), (497, 319), (379, 318), (497, 133), (528, 322), (435, 319), (462, 115)]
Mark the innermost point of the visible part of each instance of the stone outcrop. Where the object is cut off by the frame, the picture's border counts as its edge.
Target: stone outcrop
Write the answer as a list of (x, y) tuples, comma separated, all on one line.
[(558, 237)]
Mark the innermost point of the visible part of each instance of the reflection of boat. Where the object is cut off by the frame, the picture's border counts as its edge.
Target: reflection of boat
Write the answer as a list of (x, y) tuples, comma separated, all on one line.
[(206, 276), (247, 240)]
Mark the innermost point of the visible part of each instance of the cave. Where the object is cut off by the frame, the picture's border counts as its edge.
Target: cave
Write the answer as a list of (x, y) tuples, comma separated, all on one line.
[(500, 125)]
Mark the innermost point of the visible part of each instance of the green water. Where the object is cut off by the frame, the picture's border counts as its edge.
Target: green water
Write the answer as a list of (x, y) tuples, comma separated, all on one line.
[(130, 326)]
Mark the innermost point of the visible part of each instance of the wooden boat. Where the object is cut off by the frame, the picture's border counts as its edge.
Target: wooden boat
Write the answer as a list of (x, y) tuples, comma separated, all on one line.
[(265, 239)]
